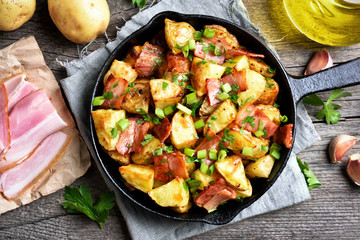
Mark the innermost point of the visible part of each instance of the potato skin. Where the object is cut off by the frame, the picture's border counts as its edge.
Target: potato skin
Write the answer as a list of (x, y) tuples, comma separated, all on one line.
[(163, 98), (121, 69), (139, 176), (13, 14), (269, 96), (261, 168), (258, 65), (256, 86), (140, 98), (80, 21), (178, 33)]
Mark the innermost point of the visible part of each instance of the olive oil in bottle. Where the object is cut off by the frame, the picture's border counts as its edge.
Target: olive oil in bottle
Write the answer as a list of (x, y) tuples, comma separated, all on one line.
[(329, 22)]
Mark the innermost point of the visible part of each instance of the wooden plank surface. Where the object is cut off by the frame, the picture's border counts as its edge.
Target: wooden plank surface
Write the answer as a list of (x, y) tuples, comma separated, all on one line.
[(333, 211)]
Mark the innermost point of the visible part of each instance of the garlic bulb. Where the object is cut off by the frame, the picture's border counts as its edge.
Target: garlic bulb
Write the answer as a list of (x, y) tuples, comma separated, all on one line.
[(320, 61), (339, 146), (353, 168)]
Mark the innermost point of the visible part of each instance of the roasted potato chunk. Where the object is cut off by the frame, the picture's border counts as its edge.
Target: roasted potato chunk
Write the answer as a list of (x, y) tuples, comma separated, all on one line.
[(139, 176), (146, 152), (134, 100), (183, 209), (269, 96), (206, 109), (132, 55), (241, 140), (223, 34), (237, 63), (258, 65), (202, 71), (260, 149), (105, 121), (272, 112), (220, 118), (173, 194), (246, 193), (232, 169), (178, 34), (260, 168), (204, 178), (183, 132), (165, 96), (121, 69), (256, 86), (121, 159)]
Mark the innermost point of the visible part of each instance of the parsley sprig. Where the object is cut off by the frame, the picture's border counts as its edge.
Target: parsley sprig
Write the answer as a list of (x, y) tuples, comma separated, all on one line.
[(139, 3), (80, 201), (310, 177), (328, 111)]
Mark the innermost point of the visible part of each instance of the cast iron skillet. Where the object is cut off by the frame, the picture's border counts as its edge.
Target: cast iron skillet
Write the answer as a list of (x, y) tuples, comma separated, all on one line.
[(291, 90)]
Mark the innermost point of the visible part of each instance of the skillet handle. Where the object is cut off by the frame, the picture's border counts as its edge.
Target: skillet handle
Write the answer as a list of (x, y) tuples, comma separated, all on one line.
[(346, 74)]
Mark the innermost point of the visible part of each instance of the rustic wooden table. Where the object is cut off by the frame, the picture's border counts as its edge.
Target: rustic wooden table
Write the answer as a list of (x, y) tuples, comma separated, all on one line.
[(333, 211)]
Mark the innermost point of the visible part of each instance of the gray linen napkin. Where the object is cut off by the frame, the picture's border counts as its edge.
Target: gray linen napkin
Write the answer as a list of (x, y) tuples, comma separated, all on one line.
[(289, 189)]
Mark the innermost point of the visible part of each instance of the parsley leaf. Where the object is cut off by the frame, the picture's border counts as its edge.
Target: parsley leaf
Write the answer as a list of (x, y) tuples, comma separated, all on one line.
[(80, 201), (328, 111), (147, 139), (139, 3), (310, 178)]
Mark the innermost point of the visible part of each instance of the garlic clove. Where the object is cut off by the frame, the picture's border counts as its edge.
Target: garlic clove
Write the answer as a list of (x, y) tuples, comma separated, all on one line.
[(320, 61), (353, 168), (339, 146)]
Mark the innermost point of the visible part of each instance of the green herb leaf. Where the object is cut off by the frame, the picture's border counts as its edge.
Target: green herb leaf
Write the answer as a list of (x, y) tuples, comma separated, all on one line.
[(139, 3), (310, 177), (147, 139), (80, 201), (313, 100)]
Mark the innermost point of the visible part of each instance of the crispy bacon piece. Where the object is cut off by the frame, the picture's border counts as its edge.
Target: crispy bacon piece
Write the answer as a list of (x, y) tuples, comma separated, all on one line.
[(140, 132), (213, 90), (32, 119), (238, 52), (211, 143), (162, 130), (18, 179), (161, 168), (178, 63), (284, 135), (222, 43), (4, 122), (115, 86), (146, 64), (239, 78), (170, 165), (17, 88), (159, 40), (209, 55), (127, 138), (250, 111), (212, 196)]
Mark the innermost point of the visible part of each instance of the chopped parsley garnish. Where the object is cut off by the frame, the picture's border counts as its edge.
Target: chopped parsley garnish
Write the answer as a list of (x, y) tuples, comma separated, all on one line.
[(144, 114), (164, 160), (114, 132), (201, 62), (128, 145), (115, 85), (213, 118), (271, 70), (193, 184), (230, 61), (269, 85), (246, 101), (198, 35), (228, 70), (190, 88), (108, 95), (158, 62), (147, 139)]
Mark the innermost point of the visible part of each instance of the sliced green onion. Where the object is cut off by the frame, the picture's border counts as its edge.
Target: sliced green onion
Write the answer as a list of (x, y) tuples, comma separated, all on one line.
[(247, 151), (213, 154), (183, 108), (191, 98), (201, 154), (164, 85), (114, 132), (223, 96), (276, 105), (226, 87), (191, 44), (264, 148), (222, 155), (189, 152), (204, 168), (98, 101), (185, 50), (159, 112), (259, 133), (209, 33), (168, 110), (123, 124), (283, 118), (199, 124), (275, 153), (211, 170)]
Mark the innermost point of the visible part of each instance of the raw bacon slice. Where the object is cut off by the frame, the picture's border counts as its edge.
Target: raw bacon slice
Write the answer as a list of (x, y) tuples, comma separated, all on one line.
[(178, 63), (162, 130), (140, 132), (17, 88), (209, 55), (238, 52), (252, 125), (146, 64), (115, 87), (18, 179), (212, 196), (127, 137), (284, 135), (213, 90), (4, 122), (239, 78), (32, 119)]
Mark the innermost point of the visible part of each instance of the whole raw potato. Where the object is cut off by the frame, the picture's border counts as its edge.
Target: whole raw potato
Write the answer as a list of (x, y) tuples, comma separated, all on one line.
[(14, 13), (80, 21)]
